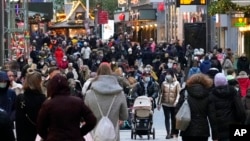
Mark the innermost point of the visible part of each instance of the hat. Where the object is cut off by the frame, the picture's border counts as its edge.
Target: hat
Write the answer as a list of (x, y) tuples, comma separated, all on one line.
[(220, 80), (242, 73)]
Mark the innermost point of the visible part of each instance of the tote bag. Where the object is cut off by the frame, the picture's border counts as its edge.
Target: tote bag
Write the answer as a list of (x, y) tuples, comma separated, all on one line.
[(183, 116)]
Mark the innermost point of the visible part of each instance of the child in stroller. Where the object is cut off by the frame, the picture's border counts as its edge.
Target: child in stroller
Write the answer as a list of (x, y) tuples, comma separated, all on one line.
[(143, 118)]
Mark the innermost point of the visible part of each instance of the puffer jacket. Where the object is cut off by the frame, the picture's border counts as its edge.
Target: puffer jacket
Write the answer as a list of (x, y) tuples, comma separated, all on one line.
[(223, 98), (202, 112), (169, 95)]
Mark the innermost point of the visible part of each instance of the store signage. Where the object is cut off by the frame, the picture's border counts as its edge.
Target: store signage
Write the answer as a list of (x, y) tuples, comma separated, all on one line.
[(191, 2), (239, 22), (102, 17)]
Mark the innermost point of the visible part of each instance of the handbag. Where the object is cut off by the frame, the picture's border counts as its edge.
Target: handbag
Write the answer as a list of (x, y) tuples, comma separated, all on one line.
[(183, 116), (88, 137)]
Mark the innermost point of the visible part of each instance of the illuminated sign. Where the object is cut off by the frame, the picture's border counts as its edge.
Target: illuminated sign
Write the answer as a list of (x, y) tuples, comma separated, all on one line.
[(192, 2), (239, 22)]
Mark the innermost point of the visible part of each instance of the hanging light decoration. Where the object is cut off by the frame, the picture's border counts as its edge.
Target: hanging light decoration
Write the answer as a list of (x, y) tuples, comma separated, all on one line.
[(161, 7), (122, 17)]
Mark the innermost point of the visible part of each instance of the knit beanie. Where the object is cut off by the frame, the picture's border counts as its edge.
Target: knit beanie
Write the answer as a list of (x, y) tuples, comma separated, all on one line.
[(220, 80)]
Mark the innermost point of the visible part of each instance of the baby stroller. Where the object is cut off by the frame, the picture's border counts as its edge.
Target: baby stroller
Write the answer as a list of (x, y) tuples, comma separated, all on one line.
[(143, 118)]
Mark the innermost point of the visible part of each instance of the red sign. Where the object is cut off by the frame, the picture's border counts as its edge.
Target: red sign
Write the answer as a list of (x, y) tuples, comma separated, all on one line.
[(102, 17)]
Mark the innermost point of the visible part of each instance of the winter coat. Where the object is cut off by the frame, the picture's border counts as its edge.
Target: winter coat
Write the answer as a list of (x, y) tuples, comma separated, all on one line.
[(33, 101), (246, 103), (224, 99), (152, 90), (243, 64), (244, 83), (6, 129), (193, 70), (59, 119), (202, 112), (169, 95), (63, 64), (105, 87), (205, 66), (227, 64), (59, 55), (7, 97)]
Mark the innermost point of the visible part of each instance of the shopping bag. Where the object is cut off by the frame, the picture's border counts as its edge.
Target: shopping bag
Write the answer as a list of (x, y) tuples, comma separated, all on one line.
[(183, 116)]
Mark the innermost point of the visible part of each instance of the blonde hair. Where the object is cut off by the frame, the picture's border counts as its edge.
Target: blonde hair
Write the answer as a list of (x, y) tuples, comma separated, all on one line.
[(33, 80)]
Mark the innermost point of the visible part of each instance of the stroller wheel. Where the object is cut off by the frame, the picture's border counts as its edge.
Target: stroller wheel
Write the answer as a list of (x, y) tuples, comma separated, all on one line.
[(148, 136), (153, 133)]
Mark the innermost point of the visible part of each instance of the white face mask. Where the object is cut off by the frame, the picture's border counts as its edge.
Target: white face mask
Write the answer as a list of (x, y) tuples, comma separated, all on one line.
[(169, 78), (170, 65), (3, 84), (147, 79), (29, 63)]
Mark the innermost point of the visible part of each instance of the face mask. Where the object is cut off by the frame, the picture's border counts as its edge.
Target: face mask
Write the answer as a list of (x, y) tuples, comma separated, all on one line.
[(169, 78), (42, 63), (29, 63), (3, 84), (147, 79), (21, 60), (112, 50), (129, 52), (64, 59), (170, 65), (98, 61)]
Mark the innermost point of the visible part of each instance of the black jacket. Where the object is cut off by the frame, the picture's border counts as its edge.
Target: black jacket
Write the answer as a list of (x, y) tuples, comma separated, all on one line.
[(25, 129), (224, 98), (202, 112), (6, 131), (152, 90)]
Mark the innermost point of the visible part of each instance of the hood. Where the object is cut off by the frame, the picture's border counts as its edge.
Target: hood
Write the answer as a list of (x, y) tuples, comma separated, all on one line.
[(206, 62), (224, 91), (243, 58), (106, 84), (4, 76), (197, 91)]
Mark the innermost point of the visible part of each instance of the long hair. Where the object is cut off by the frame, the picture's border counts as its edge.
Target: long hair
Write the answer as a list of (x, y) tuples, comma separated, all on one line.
[(33, 80), (104, 69), (200, 78), (58, 85)]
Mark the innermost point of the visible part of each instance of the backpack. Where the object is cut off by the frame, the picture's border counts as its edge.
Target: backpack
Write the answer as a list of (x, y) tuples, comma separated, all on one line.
[(105, 130), (183, 116)]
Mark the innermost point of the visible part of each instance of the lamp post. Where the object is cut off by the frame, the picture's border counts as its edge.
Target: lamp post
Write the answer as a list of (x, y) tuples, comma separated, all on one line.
[(2, 33)]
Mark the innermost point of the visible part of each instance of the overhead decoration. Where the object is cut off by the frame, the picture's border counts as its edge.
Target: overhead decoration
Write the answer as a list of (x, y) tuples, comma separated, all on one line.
[(122, 17), (226, 6), (161, 7)]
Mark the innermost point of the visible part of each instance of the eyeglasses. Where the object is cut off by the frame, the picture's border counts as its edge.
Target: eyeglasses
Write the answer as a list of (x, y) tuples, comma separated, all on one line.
[(11, 75)]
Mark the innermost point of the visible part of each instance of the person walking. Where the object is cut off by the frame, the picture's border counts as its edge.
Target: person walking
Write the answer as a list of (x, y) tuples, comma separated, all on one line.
[(6, 128), (28, 105), (229, 108), (57, 122), (102, 91), (168, 99), (201, 107)]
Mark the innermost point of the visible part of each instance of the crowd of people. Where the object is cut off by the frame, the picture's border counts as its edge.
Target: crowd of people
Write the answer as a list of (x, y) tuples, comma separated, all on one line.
[(53, 92)]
